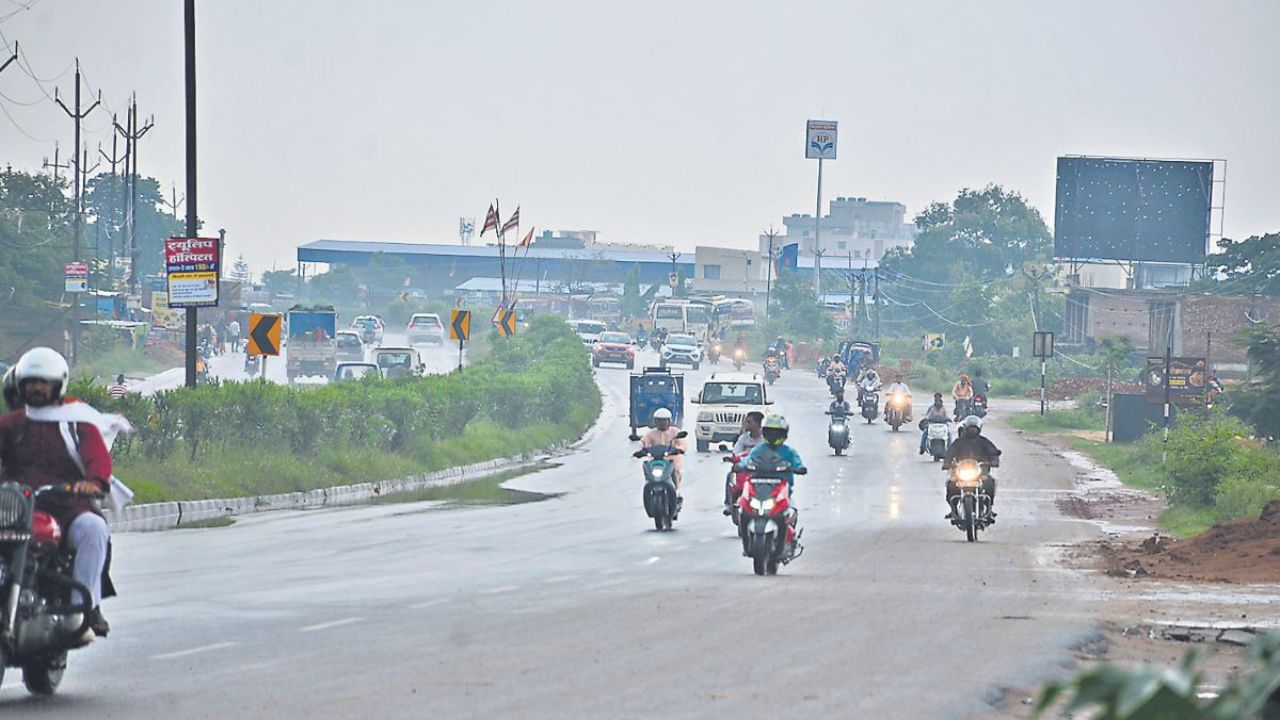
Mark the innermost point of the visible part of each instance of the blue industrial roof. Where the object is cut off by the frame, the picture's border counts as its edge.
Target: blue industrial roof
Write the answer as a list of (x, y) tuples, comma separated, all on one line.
[(480, 251)]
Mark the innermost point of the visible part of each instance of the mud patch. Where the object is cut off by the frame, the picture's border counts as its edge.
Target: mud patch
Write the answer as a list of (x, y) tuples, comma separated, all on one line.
[(485, 491), (1242, 551)]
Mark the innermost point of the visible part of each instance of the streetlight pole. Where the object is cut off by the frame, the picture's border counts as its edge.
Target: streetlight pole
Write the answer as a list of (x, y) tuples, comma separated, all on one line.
[(189, 25), (768, 276)]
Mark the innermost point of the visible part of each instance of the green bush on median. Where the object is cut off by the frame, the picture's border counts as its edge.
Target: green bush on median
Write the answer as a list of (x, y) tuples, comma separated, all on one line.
[(534, 390)]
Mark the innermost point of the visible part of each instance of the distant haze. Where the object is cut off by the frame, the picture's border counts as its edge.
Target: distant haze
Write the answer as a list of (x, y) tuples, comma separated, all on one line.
[(665, 122)]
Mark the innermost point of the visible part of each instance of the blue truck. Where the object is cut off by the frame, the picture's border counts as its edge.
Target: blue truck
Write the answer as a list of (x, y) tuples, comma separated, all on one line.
[(311, 348)]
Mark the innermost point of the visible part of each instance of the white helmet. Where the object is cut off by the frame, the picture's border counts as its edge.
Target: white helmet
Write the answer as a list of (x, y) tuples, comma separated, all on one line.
[(42, 363), (971, 421), (661, 414)]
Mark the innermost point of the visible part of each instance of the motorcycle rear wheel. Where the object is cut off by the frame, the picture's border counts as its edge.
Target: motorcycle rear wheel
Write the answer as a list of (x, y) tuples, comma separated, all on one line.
[(771, 566), (758, 564), (970, 518), (44, 679)]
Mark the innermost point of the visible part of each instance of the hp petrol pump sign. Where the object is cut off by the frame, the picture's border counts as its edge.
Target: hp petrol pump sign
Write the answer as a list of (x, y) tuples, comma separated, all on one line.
[(820, 140)]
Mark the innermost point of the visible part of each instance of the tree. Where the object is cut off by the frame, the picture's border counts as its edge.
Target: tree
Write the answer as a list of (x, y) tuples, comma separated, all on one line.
[(797, 312), (1259, 405), (104, 202), (981, 235), (634, 303), (280, 281), (239, 271), (35, 239), (1255, 261)]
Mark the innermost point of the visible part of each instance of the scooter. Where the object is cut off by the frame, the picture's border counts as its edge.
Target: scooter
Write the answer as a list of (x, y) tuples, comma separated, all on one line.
[(739, 358), (734, 483), (660, 500), (768, 523), (836, 380), (39, 622), (822, 366), (870, 405), (713, 353), (937, 438), (897, 410), (971, 508), (838, 432), (252, 364)]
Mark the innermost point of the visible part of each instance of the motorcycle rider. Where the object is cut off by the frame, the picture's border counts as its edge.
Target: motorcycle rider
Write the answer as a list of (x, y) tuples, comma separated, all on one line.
[(898, 387), (779, 348), (664, 433), (869, 382), (839, 406), (937, 412), (749, 438), (962, 395), (971, 445), (46, 442), (775, 430), (980, 385)]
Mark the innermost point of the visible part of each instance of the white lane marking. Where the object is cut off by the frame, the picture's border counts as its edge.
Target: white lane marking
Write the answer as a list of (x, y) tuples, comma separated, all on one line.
[(331, 624), (560, 579), (650, 561), (503, 589), (194, 651), (427, 604)]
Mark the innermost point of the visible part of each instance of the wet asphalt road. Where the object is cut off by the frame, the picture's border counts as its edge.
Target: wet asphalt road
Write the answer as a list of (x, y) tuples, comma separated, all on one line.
[(573, 607)]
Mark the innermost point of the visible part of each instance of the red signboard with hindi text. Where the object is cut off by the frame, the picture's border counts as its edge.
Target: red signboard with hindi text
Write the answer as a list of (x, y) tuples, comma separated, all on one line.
[(192, 267)]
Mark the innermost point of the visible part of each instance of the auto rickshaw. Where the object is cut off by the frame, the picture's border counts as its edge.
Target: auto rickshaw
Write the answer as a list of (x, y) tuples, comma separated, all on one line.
[(652, 389)]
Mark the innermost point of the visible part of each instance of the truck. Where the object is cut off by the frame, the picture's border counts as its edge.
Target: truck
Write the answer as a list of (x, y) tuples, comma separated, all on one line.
[(312, 346)]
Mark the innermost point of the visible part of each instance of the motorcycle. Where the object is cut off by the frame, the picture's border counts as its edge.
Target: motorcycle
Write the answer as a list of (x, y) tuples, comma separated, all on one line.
[(713, 353), (642, 337), (937, 439), (897, 410), (734, 483), (971, 508), (870, 405), (979, 405), (964, 408), (39, 621), (660, 500), (252, 364), (836, 380), (822, 367), (655, 342), (767, 524), (772, 369), (838, 432), (739, 358)]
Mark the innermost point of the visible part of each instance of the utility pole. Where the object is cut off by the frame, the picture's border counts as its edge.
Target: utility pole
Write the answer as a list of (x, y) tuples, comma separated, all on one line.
[(114, 159), (853, 307), (768, 276), (817, 272), (132, 134), (174, 204), (84, 181), (77, 118), (189, 24), (875, 299), (675, 274)]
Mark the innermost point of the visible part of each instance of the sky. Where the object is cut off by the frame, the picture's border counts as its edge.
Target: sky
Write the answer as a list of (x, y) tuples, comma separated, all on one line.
[(665, 121)]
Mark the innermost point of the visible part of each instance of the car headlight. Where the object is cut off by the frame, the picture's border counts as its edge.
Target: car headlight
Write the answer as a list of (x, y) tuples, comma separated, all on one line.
[(706, 417)]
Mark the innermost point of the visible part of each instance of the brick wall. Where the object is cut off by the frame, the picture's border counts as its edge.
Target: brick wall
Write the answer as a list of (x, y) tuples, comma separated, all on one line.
[(1118, 315), (1225, 317)]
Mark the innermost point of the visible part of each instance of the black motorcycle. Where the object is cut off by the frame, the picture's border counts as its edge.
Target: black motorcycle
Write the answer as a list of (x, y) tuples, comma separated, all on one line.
[(964, 408), (39, 620), (979, 405), (971, 507), (870, 403)]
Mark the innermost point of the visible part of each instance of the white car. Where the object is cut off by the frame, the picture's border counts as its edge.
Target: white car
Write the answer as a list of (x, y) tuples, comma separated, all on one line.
[(681, 349), (398, 362), (588, 330), (425, 328), (726, 398)]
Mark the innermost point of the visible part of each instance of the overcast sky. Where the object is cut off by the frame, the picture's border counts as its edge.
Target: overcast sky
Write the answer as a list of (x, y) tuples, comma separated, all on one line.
[(677, 121)]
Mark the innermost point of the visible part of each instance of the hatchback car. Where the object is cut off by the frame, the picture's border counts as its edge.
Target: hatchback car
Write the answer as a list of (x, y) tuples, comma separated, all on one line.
[(350, 346)]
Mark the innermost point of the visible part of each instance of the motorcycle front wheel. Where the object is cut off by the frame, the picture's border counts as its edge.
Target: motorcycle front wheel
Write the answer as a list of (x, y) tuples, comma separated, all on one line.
[(45, 679), (970, 518)]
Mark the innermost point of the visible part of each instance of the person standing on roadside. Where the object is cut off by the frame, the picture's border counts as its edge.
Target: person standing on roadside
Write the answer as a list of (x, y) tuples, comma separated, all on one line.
[(119, 389), (234, 330)]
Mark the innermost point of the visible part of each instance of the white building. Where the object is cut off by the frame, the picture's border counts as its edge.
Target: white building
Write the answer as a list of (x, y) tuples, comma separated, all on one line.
[(856, 229)]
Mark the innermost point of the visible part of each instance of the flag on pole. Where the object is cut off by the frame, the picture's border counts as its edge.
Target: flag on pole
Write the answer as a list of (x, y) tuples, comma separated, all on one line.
[(490, 221), (528, 239), (514, 222), (968, 347)]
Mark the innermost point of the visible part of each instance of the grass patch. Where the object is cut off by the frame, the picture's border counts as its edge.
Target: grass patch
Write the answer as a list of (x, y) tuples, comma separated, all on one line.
[(1188, 522), (485, 491), (105, 366), (217, 522), (1056, 421)]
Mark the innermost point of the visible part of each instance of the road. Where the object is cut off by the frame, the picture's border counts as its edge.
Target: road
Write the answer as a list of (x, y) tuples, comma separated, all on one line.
[(573, 607), (230, 366)]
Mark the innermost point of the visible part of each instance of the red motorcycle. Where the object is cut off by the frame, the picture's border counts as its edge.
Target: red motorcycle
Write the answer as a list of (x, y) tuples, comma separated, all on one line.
[(767, 522), (734, 482)]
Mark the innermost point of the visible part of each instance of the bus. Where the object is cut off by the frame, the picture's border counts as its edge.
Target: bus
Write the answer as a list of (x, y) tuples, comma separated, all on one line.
[(682, 317), (732, 314), (605, 307)]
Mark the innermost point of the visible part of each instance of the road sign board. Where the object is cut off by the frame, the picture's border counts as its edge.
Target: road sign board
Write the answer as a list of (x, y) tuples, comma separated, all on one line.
[(460, 325), (1042, 344), (507, 323), (935, 341), (191, 265), (77, 277), (820, 140), (264, 334)]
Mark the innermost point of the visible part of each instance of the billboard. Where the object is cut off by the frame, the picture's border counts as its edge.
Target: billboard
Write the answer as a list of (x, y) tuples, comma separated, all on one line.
[(1132, 210), (191, 265), (820, 140), (1187, 378), (77, 277)]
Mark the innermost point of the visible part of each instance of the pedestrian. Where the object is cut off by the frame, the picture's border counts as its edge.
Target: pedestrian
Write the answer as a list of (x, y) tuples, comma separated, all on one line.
[(120, 389), (234, 330)]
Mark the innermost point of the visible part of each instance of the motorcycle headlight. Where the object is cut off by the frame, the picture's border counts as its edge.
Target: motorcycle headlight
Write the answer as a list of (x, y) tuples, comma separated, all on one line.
[(656, 472), (768, 504), (968, 471)]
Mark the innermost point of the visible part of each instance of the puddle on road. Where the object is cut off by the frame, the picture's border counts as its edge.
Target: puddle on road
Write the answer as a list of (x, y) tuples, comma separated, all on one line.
[(475, 493)]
